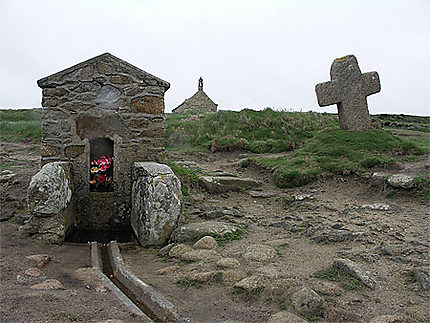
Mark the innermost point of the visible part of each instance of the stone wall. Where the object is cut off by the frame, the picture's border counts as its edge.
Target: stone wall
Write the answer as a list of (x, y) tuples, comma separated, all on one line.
[(103, 97)]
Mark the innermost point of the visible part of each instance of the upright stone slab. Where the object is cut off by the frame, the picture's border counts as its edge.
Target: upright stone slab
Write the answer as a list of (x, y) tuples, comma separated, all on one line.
[(156, 202), (49, 196), (348, 89)]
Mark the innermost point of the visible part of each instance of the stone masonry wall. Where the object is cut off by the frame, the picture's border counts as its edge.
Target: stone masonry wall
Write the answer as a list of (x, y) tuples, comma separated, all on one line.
[(199, 102), (108, 98)]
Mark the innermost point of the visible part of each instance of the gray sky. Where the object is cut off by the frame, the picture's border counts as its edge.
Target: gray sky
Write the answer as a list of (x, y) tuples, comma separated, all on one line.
[(251, 54)]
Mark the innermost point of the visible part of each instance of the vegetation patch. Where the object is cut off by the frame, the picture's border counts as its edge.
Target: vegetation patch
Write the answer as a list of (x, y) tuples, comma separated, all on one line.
[(345, 280), (189, 178), (335, 151), (224, 238), (187, 283), (19, 125)]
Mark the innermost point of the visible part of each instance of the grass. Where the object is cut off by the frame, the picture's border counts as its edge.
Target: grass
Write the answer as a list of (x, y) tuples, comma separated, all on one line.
[(345, 280), (259, 131), (224, 238), (16, 125), (189, 178), (187, 283), (334, 151)]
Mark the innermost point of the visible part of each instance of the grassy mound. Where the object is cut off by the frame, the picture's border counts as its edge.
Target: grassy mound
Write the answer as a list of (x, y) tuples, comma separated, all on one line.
[(256, 131), (17, 125), (335, 151)]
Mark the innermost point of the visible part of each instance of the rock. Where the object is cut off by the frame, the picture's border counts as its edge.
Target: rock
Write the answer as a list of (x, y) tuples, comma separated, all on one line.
[(307, 302), (263, 195), (178, 250), (348, 89), (259, 253), (232, 276), (167, 270), (111, 321), (198, 255), (41, 259), (6, 177), (165, 250), (48, 284), (228, 263), (302, 197), (204, 277), (378, 179), (335, 314), (188, 164), (21, 280), (206, 242), (268, 271), (221, 184), (422, 276), (50, 190), (156, 202), (252, 284), (192, 231), (4, 216), (376, 207), (388, 319), (401, 181), (352, 268), (337, 236), (327, 288), (285, 317), (386, 249), (34, 272), (278, 242)]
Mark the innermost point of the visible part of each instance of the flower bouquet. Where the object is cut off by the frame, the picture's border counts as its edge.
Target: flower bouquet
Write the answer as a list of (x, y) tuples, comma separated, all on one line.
[(101, 174)]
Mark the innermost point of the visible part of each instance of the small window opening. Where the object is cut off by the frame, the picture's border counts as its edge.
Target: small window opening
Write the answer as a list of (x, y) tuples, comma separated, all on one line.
[(101, 165)]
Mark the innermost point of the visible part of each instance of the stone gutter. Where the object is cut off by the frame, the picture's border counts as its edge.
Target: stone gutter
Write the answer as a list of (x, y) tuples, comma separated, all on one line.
[(145, 294), (97, 266)]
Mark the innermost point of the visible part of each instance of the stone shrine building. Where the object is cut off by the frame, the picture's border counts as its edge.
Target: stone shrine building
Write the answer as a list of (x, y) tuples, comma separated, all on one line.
[(200, 102), (101, 119)]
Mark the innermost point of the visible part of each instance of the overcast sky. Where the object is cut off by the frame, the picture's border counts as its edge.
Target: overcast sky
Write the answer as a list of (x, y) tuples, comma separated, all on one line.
[(251, 54)]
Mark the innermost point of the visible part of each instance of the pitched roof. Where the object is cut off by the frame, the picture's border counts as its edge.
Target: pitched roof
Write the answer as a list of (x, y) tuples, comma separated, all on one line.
[(106, 57)]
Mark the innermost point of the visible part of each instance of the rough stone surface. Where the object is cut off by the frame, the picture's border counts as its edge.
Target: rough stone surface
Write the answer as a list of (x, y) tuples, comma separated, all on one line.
[(156, 198), (348, 89), (191, 231), (401, 181), (49, 202), (103, 97), (285, 317), (33, 272), (222, 184), (48, 284), (388, 319), (259, 253), (50, 191), (206, 242), (307, 302), (203, 277), (228, 263), (352, 268), (198, 103), (250, 284), (376, 207), (422, 276), (40, 259)]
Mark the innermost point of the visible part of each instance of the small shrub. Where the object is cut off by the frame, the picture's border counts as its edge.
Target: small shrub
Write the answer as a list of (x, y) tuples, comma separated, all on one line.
[(224, 238), (245, 163), (347, 281)]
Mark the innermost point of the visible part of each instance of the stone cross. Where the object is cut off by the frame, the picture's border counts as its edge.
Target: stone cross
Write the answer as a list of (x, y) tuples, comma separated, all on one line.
[(348, 89)]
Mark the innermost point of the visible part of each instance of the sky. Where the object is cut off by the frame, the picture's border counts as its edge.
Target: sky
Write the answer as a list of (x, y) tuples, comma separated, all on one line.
[(251, 54)]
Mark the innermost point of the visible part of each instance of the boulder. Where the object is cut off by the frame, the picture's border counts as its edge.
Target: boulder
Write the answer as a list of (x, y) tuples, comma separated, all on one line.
[(228, 263), (206, 242), (48, 284), (259, 253), (252, 284), (223, 184), (352, 268), (192, 231), (307, 302), (401, 181), (156, 202)]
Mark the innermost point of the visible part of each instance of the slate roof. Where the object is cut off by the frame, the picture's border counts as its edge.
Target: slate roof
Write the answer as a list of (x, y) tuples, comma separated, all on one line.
[(106, 57)]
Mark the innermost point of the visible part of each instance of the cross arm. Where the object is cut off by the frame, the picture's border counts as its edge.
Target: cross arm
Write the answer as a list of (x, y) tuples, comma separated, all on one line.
[(327, 93), (371, 83)]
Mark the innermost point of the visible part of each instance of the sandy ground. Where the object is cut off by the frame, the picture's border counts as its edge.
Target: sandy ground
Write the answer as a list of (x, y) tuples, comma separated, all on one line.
[(330, 205)]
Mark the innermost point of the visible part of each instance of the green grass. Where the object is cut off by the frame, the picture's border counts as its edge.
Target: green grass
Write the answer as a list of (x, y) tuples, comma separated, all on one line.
[(345, 280), (260, 131), (224, 238), (189, 178), (16, 125), (334, 151)]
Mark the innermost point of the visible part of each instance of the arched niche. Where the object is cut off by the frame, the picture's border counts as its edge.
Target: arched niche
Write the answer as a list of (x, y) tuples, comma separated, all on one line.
[(101, 165)]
